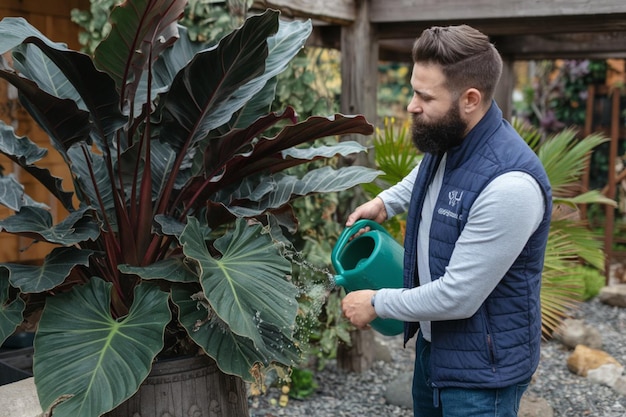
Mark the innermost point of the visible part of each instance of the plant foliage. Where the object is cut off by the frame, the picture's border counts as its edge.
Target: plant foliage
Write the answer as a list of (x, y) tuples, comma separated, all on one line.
[(570, 242)]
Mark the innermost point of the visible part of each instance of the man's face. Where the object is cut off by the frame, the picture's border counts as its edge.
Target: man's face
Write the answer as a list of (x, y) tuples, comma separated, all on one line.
[(437, 121)]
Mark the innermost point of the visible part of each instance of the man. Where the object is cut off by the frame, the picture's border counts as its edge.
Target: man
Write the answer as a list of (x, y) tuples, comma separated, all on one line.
[(479, 206)]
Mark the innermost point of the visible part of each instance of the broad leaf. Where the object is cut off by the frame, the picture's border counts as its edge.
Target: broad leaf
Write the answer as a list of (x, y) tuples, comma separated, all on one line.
[(72, 75), (13, 31), (60, 118), (172, 60), (233, 354), (107, 358), (163, 160), (37, 223), (19, 149), (57, 266), (247, 283), (268, 155), (140, 31), (282, 47), (12, 193), (25, 153), (172, 269), (10, 312), (254, 197), (192, 109), (86, 163), (169, 226)]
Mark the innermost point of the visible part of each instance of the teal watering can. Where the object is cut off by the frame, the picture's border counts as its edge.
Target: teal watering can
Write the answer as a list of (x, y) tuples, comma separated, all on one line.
[(370, 261)]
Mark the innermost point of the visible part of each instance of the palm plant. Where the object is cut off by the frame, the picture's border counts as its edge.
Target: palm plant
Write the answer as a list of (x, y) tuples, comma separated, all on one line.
[(570, 242), (171, 242), (395, 156)]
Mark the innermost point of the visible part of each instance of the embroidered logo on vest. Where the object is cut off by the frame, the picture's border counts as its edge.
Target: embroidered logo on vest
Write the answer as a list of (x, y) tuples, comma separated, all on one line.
[(454, 197)]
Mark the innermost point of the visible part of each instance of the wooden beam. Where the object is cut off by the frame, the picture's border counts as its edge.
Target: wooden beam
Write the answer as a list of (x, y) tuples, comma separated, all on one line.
[(432, 10), (512, 26), (567, 46), (335, 11), (588, 45)]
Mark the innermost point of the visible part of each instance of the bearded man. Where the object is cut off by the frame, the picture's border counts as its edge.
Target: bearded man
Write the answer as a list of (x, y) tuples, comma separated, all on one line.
[(479, 206)]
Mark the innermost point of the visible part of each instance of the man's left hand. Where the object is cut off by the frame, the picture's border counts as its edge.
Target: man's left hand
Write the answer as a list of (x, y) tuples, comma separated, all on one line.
[(357, 307)]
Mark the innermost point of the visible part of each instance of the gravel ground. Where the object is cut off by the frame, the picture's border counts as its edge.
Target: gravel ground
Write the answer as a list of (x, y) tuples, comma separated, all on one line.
[(355, 395), (574, 396)]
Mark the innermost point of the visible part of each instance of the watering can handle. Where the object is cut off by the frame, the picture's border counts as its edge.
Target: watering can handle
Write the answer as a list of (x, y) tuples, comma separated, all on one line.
[(347, 233)]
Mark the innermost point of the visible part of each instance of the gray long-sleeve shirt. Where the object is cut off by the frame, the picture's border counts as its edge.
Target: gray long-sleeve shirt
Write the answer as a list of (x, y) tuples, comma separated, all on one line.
[(499, 224)]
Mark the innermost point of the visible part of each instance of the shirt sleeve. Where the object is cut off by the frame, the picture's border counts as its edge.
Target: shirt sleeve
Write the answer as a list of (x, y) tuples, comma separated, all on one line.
[(398, 197), (500, 222)]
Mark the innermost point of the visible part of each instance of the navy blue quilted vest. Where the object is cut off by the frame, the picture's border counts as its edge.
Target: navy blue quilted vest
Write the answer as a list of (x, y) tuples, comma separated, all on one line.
[(499, 345)]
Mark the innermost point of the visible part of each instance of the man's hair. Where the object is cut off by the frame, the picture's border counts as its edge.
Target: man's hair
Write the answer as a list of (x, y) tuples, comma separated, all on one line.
[(466, 57)]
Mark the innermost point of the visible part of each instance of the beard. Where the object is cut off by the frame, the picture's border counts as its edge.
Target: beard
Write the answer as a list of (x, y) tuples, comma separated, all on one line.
[(439, 136)]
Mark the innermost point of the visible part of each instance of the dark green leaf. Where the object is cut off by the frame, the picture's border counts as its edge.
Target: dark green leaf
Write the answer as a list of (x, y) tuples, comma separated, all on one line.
[(282, 47), (247, 283), (57, 266), (173, 269), (107, 359), (254, 197), (60, 118), (19, 149), (24, 152), (140, 31), (37, 224), (192, 109), (72, 75), (10, 312), (235, 355)]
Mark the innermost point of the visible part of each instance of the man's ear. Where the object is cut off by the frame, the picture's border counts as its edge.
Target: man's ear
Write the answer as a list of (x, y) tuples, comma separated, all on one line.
[(471, 101)]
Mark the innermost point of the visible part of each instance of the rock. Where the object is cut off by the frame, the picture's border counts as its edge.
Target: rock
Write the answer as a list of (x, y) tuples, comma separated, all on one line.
[(613, 295), (620, 385), (382, 353), (19, 399), (606, 374), (574, 332), (585, 358), (399, 392), (533, 406)]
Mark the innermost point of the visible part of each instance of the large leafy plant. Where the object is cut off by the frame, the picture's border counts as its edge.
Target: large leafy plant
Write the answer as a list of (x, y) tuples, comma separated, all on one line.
[(170, 242)]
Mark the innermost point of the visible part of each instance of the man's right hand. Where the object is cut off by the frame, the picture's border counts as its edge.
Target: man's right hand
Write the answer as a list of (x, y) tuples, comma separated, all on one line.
[(372, 210)]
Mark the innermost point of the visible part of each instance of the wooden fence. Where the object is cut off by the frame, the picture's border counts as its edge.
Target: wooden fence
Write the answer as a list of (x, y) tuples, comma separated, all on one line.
[(52, 18)]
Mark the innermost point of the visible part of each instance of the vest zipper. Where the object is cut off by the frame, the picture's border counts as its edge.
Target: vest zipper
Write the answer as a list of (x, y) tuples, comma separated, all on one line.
[(435, 396), (492, 355)]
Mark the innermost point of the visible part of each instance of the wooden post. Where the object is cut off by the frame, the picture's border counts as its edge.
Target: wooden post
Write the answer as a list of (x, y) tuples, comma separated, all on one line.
[(504, 90), (609, 210), (359, 79), (359, 72), (359, 356)]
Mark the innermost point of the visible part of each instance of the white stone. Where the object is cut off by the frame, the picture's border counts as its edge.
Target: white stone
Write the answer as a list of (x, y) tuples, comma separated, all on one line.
[(613, 295), (620, 385), (19, 399), (606, 374), (574, 332)]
